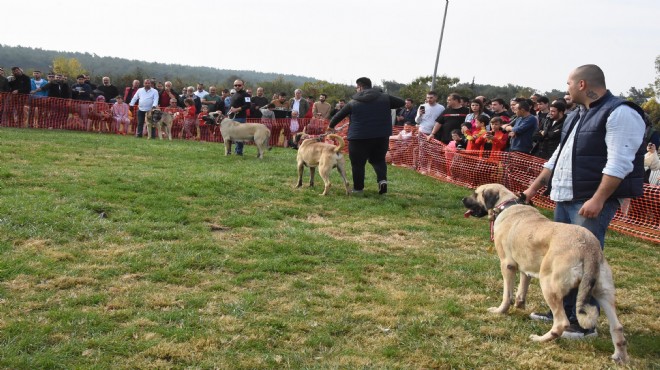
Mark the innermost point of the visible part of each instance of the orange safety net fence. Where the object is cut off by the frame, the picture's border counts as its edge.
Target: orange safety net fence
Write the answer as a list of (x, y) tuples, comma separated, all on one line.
[(638, 217)]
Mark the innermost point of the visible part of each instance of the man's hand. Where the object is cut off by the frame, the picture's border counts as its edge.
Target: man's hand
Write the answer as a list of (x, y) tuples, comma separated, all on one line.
[(591, 208)]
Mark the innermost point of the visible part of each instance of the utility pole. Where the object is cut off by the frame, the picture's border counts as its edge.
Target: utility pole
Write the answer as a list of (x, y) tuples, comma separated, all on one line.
[(437, 58)]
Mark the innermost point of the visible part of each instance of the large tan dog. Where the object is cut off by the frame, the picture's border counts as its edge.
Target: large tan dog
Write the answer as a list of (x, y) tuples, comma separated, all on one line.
[(162, 120), (235, 131), (562, 256), (314, 153)]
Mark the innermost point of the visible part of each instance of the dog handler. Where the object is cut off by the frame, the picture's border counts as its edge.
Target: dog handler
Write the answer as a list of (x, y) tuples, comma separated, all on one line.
[(369, 131), (239, 104), (147, 98), (599, 162)]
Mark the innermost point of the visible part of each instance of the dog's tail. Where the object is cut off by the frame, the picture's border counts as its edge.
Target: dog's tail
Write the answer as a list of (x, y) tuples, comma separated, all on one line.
[(587, 314), (340, 142)]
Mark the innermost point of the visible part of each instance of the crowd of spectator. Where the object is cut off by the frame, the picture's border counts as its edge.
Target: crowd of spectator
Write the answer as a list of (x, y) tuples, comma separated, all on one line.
[(478, 125)]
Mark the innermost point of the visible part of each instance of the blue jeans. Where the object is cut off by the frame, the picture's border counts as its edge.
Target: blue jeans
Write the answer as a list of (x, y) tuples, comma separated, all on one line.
[(567, 212), (239, 145)]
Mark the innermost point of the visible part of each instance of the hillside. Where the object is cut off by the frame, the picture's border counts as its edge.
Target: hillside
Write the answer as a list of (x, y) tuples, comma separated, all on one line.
[(122, 70)]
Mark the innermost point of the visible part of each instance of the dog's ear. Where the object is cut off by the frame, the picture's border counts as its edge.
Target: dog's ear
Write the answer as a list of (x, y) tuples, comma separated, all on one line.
[(491, 197)]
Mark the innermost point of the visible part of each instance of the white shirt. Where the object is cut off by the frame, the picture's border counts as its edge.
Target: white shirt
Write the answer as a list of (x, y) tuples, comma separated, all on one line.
[(296, 104), (427, 121), (624, 132), (148, 99), (201, 94)]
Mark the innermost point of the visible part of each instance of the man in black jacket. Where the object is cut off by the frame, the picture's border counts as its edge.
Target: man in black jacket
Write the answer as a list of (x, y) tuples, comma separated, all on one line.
[(19, 87), (238, 106), (369, 131)]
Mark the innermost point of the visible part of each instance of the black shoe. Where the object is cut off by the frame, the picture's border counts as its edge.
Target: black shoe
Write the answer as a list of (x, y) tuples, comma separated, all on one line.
[(382, 187), (541, 316), (574, 331)]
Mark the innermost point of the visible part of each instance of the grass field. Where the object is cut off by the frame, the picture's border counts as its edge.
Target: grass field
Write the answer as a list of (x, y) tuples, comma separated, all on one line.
[(124, 253)]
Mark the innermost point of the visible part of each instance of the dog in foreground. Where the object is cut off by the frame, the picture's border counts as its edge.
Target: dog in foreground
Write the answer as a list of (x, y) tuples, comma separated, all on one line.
[(314, 153), (162, 120), (233, 131), (562, 256)]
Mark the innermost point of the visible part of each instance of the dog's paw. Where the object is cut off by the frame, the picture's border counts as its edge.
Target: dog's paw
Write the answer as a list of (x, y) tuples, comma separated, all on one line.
[(497, 310), (536, 338)]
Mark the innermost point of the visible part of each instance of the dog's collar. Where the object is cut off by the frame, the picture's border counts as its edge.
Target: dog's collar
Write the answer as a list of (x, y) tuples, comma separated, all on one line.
[(501, 207)]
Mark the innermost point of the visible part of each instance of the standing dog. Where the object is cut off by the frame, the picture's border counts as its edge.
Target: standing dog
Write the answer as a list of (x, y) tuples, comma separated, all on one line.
[(232, 131), (162, 121), (562, 256), (313, 153)]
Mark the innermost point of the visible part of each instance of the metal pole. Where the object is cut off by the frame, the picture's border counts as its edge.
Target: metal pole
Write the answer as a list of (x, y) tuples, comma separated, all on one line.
[(437, 58)]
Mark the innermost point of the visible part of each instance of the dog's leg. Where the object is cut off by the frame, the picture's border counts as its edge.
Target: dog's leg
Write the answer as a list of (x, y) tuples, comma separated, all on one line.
[(301, 169), (227, 147), (325, 176), (523, 286), (604, 293), (508, 275), (312, 172), (554, 297)]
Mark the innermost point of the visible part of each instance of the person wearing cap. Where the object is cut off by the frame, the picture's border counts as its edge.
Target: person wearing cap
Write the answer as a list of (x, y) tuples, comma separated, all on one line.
[(81, 90), (147, 98)]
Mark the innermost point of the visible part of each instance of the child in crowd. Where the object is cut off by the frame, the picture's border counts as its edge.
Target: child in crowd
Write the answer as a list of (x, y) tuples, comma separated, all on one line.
[(121, 120), (478, 131), (399, 143), (201, 123), (189, 114), (74, 122)]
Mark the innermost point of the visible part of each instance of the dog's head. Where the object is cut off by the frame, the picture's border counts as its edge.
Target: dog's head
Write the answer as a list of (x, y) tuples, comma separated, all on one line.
[(485, 198), (213, 118), (155, 115)]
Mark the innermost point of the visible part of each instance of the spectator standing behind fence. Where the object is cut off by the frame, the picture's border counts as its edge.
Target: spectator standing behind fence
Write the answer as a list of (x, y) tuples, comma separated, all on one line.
[(299, 103), (190, 94), (406, 115), (258, 102), (340, 104), (19, 86), (651, 162), (550, 132), (281, 103), (211, 99), (449, 120), (521, 133), (108, 90), (120, 117), (500, 110), (476, 110), (200, 92), (494, 140), (129, 91), (321, 108), (81, 90), (599, 162), (147, 98), (165, 94), (238, 106), (369, 132), (428, 112)]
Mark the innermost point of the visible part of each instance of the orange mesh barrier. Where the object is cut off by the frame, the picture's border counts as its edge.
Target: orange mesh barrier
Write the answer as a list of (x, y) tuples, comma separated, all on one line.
[(639, 217)]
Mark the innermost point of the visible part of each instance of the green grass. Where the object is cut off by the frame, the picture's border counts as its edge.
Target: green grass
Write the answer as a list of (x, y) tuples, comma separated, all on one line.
[(123, 253)]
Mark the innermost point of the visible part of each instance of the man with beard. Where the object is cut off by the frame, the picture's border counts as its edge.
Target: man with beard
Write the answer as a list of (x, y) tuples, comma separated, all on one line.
[(321, 108), (238, 106), (108, 90), (550, 133)]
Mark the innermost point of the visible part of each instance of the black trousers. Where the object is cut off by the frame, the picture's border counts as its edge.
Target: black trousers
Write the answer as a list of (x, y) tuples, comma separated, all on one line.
[(372, 150)]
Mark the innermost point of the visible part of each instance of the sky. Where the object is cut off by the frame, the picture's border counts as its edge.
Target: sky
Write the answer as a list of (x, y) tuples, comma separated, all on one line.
[(527, 43)]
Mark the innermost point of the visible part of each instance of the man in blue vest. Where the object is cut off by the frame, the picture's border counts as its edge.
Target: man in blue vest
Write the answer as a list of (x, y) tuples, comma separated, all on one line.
[(599, 162)]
